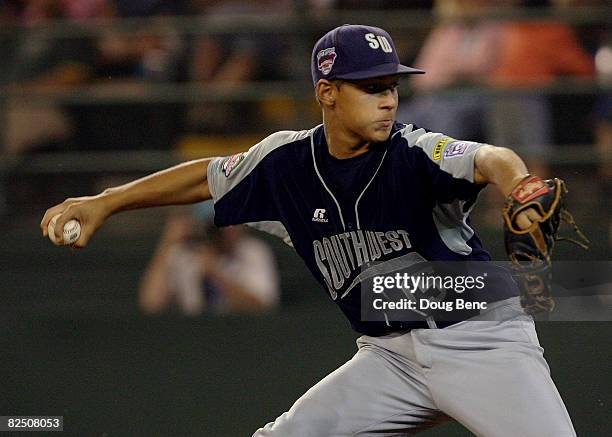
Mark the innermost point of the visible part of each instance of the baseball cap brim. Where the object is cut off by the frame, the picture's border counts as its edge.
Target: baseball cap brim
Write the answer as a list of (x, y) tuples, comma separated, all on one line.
[(378, 71)]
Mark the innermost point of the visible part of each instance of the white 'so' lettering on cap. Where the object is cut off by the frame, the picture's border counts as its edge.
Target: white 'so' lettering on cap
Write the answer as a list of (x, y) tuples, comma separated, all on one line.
[(354, 52), (379, 42)]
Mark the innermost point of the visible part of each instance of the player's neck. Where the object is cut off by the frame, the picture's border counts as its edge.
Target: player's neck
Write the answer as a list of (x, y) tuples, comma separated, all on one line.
[(342, 144)]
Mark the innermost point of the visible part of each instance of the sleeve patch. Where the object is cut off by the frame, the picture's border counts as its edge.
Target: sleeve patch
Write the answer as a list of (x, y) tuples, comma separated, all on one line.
[(230, 163), (456, 148), (436, 154)]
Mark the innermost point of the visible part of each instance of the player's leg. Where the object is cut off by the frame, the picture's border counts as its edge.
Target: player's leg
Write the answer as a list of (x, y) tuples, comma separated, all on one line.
[(377, 393), (492, 377)]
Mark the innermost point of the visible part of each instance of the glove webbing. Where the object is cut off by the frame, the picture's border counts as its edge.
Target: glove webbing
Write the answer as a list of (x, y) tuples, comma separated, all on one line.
[(567, 217)]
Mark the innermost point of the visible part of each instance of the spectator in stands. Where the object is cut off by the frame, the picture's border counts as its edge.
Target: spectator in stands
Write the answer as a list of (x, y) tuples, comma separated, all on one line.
[(43, 63), (229, 60), (128, 60), (200, 268), (140, 56), (533, 55), (521, 55), (142, 53), (467, 46), (603, 126)]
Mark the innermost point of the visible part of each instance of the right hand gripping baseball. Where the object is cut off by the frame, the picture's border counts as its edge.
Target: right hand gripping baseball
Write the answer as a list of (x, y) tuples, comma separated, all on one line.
[(89, 211)]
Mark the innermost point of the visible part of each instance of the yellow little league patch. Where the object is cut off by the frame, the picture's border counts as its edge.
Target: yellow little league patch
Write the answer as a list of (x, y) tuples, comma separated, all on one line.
[(439, 148)]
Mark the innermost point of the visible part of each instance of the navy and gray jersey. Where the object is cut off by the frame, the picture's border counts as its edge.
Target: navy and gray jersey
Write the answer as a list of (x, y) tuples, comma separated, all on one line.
[(411, 193)]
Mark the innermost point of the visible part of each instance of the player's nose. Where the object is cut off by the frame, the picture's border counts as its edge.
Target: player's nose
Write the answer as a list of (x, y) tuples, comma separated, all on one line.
[(388, 100)]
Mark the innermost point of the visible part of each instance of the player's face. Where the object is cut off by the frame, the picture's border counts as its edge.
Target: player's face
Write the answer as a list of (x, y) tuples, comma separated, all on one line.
[(367, 107)]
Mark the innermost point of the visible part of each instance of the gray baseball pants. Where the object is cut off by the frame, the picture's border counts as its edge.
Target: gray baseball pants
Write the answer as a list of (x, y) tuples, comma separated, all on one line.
[(490, 376)]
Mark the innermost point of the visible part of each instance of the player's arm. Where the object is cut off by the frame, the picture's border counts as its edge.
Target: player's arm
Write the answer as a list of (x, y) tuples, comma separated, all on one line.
[(499, 166), (182, 184), (505, 169)]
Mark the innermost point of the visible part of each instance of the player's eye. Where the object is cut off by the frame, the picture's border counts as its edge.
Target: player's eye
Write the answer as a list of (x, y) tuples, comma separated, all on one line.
[(375, 88), (380, 87)]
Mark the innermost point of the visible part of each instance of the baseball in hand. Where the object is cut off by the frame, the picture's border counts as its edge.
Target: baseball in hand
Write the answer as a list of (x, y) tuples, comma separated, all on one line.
[(72, 231)]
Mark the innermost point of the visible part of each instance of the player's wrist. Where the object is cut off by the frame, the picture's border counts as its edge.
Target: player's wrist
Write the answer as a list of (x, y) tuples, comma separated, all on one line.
[(516, 181), (501, 167), (111, 201)]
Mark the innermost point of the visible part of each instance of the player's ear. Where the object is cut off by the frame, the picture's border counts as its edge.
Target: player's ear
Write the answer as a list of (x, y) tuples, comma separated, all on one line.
[(326, 92)]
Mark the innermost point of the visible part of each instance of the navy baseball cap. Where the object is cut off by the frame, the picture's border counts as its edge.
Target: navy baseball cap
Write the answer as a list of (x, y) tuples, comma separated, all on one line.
[(354, 52)]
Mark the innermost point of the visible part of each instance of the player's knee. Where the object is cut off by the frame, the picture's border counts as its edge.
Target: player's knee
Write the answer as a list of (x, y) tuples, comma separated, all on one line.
[(305, 419)]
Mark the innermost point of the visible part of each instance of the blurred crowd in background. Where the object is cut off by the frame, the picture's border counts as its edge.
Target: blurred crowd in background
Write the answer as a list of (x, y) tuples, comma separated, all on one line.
[(464, 48), (210, 77)]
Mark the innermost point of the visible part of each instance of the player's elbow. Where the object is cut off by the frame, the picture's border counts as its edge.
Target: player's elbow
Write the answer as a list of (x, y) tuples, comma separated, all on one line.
[(489, 152), (489, 159)]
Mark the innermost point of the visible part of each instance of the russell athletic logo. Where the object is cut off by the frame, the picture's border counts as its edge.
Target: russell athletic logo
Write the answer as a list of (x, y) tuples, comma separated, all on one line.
[(319, 216), (325, 60)]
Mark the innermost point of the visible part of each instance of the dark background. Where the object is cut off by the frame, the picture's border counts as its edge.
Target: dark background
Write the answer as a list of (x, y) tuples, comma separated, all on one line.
[(74, 344)]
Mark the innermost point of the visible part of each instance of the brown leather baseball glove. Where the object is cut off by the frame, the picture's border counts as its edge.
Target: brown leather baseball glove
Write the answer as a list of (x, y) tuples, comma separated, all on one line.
[(530, 249)]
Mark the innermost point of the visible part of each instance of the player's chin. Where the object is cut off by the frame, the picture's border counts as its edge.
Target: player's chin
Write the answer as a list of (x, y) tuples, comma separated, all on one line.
[(380, 134)]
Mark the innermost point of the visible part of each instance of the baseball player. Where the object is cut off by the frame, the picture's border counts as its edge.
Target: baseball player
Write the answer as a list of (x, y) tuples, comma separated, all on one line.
[(362, 194)]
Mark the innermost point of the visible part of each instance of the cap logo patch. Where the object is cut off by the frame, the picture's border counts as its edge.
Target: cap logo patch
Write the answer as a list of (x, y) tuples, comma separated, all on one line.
[(325, 60)]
